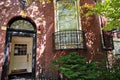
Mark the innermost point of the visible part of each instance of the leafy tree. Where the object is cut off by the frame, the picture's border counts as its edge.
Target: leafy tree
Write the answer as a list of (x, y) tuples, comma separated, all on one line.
[(110, 9), (106, 73), (75, 67)]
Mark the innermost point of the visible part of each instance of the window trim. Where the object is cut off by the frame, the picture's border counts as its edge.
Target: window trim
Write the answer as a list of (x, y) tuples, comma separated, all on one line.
[(79, 28), (21, 18)]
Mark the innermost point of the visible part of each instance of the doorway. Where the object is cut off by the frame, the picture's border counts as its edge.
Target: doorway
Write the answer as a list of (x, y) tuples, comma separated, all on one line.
[(20, 49), (20, 55)]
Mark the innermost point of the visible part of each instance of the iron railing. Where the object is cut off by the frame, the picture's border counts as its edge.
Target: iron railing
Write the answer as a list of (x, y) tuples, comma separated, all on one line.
[(69, 40), (51, 75)]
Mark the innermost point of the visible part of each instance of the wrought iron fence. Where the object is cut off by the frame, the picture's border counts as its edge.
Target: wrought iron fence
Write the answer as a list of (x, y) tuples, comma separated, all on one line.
[(44, 75), (69, 40)]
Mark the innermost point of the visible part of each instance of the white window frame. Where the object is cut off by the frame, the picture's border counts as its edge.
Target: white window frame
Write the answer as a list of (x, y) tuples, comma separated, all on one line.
[(79, 41), (79, 26)]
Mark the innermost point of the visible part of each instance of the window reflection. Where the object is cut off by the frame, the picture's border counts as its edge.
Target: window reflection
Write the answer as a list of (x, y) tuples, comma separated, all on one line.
[(67, 17), (22, 24)]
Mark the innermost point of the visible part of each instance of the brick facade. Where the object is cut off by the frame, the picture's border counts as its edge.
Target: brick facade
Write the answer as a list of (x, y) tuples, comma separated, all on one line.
[(43, 16)]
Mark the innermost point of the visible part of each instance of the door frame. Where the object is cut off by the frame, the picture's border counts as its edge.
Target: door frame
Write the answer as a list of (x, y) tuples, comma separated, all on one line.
[(24, 33)]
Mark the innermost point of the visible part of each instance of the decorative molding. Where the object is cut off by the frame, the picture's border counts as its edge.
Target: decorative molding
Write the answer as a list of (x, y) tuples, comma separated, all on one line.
[(3, 27), (38, 32)]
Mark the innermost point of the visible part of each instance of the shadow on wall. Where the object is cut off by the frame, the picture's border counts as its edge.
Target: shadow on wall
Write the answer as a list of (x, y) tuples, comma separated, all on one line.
[(91, 27), (44, 20), (44, 40), (38, 13), (8, 8), (93, 36), (2, 42)]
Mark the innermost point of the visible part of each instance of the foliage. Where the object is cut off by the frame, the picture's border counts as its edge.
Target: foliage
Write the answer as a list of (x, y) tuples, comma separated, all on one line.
[(75, 67), (110, 9), (107, 73)]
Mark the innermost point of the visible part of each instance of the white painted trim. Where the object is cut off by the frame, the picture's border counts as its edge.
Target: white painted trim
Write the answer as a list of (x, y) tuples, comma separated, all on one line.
[(116, 39), (3, 28), (38, 32)]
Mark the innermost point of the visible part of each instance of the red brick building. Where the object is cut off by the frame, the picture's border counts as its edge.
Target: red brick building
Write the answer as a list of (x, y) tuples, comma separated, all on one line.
[(33, 34)]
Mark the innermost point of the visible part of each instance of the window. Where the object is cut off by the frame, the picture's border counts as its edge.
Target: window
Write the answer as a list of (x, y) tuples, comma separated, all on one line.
[(107, 40), (116, 41), (22, 24), (68, 33), (110, 38), (20, 49), (116, 46), (67, 17), (106, 35)]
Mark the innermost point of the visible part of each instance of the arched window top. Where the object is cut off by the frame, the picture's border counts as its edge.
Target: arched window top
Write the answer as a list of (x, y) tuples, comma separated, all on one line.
[(22, 24)]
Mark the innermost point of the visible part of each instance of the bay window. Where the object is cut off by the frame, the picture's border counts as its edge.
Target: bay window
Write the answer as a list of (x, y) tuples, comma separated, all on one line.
[(68, 34)]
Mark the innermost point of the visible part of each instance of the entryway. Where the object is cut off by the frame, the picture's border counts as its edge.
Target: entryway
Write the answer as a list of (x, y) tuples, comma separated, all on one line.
[(20, 55), (20, 50)]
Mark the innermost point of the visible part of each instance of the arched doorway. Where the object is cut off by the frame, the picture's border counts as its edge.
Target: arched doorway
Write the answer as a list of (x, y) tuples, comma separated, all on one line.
[(20, 49)]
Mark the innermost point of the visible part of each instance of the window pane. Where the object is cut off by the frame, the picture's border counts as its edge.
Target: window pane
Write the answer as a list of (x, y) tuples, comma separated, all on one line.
[(68, 34), (116, 42), (67, 18), (22, 24), (20, 49)]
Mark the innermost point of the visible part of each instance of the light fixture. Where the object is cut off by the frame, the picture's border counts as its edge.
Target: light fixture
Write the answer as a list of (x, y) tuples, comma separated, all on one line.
[(23, 5)]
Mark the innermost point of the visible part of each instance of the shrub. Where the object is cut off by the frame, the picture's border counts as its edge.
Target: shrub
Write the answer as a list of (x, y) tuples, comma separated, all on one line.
[(107, 73), (75, 67)]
